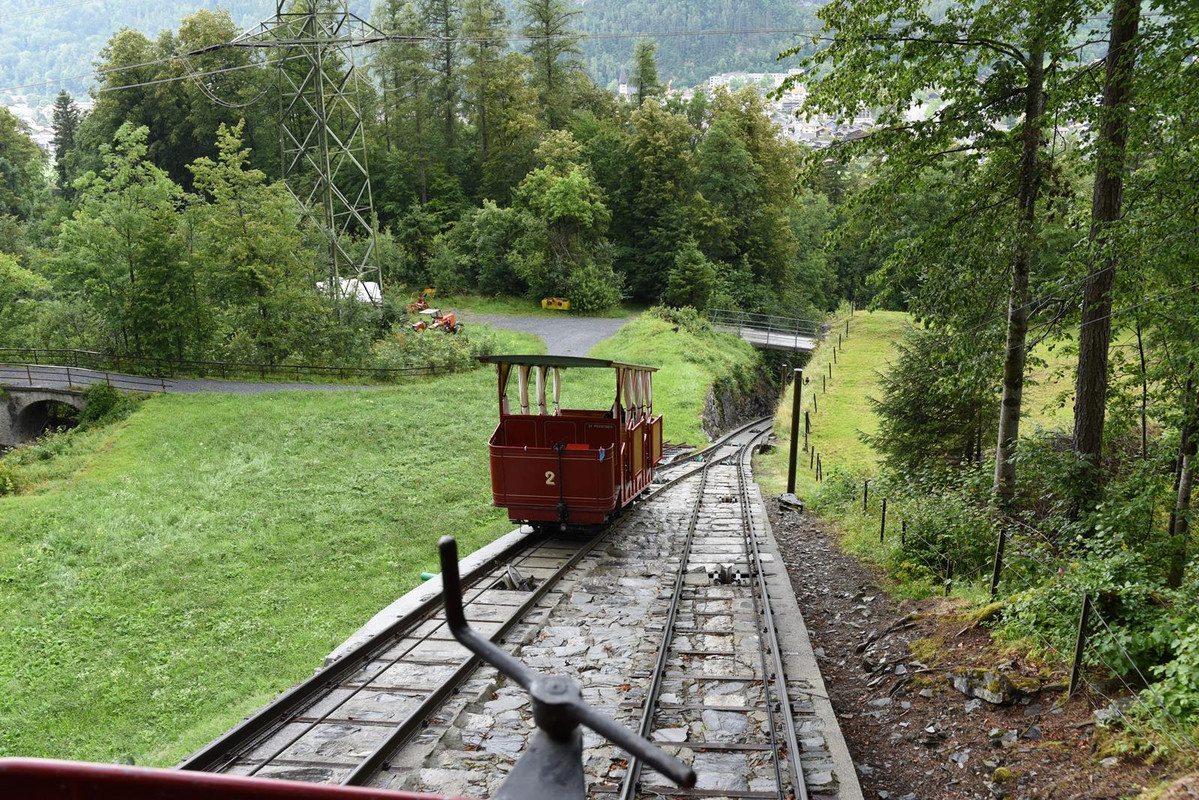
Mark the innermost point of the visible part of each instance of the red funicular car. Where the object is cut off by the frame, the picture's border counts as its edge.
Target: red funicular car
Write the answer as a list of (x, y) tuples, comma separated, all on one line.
[(555, 466)]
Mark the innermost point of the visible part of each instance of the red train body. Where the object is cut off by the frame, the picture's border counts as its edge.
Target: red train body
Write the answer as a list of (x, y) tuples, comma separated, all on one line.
[(551, 465)]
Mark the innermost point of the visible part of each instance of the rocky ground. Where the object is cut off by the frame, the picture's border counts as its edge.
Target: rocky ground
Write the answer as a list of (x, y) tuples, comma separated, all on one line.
[(929, 705)]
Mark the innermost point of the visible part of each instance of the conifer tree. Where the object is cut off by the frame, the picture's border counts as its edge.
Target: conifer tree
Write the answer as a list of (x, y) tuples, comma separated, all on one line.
[(66, 122), (551, 41), (645, 70)]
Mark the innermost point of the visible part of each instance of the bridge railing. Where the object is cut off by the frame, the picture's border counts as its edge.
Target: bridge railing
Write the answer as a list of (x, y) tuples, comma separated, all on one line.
[(67, 377), (768, 323), (161, 368)]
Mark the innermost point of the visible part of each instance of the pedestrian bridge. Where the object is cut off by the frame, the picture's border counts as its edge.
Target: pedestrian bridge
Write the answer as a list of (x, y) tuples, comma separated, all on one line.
[(767, 331), (29, 393)]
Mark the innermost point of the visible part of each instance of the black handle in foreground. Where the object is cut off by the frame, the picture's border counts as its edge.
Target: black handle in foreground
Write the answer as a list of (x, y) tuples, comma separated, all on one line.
[(558, 706)]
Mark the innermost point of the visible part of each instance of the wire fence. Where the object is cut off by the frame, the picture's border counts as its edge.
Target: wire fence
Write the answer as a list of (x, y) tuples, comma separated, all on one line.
[(1024, 559), (116, 367)]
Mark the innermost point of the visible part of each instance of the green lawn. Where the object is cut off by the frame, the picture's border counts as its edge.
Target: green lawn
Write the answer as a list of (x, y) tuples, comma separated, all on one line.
[(180, 569), (169, 574), (842, 413)]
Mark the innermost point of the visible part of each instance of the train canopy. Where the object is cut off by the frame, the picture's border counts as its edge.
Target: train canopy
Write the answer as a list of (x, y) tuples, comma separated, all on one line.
[(634, 388)]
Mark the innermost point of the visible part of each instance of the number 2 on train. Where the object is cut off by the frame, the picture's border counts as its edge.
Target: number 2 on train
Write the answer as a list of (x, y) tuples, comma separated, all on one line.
[(549, 479)]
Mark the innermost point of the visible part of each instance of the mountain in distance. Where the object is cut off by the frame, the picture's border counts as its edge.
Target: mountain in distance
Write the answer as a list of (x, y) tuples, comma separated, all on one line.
[(48, 45), (764, 30)]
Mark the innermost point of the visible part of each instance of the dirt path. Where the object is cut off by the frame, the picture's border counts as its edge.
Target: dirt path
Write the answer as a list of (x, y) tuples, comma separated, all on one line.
[(913, 736), (563, 336)]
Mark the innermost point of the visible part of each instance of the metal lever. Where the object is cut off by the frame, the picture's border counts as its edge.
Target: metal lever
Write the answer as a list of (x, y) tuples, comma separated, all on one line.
[(558, 707)]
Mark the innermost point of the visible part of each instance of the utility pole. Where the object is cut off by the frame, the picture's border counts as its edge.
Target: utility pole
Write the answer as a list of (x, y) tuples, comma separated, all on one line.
[(322, 138)]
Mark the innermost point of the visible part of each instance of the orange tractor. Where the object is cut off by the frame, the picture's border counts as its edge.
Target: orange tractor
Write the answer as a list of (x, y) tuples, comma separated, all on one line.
[(437, 321)]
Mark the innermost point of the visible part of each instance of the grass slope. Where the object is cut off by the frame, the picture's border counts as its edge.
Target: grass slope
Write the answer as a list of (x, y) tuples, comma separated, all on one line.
[(845, 412), (170, 574), (842, 413), (209, 551)]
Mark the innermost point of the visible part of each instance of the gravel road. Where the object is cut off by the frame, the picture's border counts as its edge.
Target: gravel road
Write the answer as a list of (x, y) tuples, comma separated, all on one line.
[(563, 336)]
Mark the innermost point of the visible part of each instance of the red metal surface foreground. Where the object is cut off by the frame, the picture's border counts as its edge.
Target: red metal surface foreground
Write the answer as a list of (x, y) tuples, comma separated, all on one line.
[(40, 779)]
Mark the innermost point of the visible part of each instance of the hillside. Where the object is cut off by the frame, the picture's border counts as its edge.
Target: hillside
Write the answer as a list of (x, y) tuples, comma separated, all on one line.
[(45, 47), (43, 43), (208, 541), (689, 60)]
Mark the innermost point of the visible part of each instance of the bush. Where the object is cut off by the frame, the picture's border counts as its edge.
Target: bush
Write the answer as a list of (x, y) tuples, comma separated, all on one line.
[(686, 318), (8, 479), (593, 289), (1177, 693), (409, 349), (106, 405)]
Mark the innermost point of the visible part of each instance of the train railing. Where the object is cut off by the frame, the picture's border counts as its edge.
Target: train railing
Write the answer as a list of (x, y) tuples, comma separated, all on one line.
[(113, 365), (771, 325)]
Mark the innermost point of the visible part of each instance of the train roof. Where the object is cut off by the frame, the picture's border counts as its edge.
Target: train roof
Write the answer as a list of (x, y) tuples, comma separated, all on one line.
[(563, 362)]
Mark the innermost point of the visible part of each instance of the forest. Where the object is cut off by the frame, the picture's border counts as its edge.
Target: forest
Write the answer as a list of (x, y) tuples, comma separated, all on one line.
[(60, 40), (1048, 201), (495, 170)]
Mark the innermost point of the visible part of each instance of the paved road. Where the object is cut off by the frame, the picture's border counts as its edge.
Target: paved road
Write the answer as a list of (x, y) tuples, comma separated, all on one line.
[(50, 377), (563, 336)]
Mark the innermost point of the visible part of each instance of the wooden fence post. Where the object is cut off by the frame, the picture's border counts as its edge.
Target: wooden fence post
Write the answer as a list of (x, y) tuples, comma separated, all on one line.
[(1080, 645), (796, 401), (995, 569), (882, 528)]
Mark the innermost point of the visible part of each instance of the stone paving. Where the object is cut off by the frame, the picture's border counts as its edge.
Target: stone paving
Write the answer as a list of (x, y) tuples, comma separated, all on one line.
[(604, 626)]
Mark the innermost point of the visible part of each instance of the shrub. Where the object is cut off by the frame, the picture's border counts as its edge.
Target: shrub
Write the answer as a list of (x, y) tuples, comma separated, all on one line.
[(593, 288), (106, 405), (8, 479), (687, 318)]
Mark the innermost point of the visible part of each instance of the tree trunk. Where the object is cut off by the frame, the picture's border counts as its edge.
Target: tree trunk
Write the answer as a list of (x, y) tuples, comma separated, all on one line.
[(1144, 395), (1096, 331), (1015, 353), (1180, 518), (1184, 480)]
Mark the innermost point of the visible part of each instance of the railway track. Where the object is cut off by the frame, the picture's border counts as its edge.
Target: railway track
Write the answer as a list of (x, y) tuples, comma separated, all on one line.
[(640, 604)]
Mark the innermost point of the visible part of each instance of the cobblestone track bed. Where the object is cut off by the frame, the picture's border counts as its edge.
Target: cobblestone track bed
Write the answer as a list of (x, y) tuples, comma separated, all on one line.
[(601, 621), (604, 625), (324, 729)]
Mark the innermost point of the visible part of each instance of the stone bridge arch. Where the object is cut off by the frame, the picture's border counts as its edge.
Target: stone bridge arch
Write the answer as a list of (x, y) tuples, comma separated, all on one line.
[(23, 412)]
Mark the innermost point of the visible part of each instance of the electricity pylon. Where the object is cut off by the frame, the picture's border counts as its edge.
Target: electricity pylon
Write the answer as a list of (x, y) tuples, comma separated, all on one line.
[(322, 139)]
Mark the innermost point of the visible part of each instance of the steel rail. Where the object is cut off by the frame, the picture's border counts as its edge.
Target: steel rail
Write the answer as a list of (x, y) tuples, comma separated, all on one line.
[(264, 723), (719, 443), (374, 762), (418, 714), (633, 772), (268, 720), (766, 626)]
